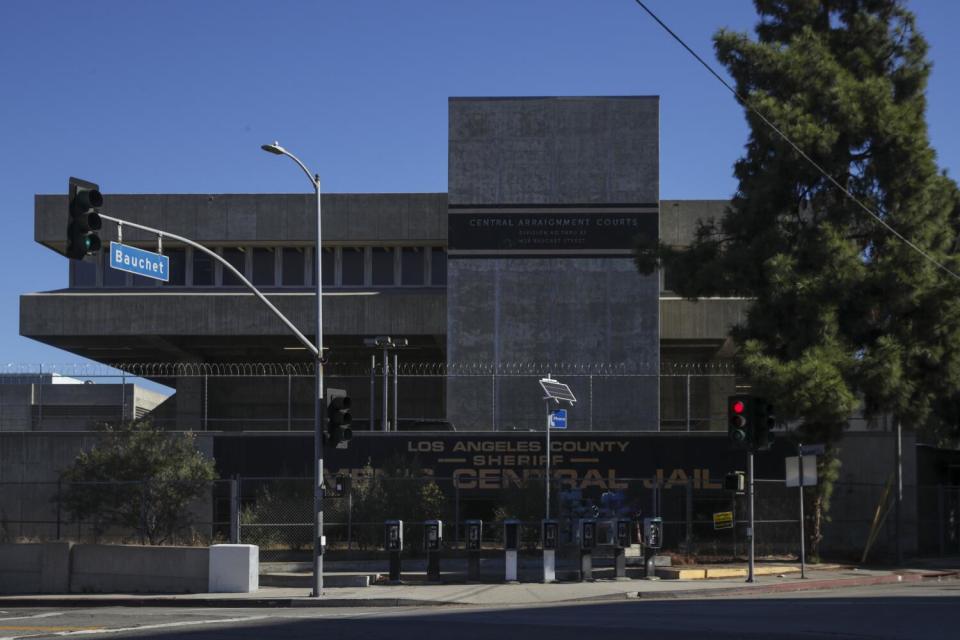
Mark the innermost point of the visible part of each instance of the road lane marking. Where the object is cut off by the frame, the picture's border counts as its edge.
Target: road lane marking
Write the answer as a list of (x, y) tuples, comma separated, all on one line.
[(38, 615), (166, 625)]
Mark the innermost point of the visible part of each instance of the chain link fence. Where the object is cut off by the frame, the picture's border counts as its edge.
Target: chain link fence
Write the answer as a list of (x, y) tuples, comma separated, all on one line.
[(276, 515), (386, 397)]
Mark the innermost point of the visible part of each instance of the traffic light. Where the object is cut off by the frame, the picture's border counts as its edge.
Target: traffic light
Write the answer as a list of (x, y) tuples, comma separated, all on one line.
[(83, 221), (765, 421), (740, 416), (735, 481), (338, 418)]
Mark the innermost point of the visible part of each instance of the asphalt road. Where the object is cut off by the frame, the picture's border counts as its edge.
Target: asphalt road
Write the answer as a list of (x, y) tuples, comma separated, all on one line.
[(926, 610)]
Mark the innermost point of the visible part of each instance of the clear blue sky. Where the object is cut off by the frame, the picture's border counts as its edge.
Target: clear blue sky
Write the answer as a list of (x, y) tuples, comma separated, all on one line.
[(177, 96)]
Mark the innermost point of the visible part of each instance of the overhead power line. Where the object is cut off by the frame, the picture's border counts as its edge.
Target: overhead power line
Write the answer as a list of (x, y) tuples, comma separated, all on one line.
[(796, 148)]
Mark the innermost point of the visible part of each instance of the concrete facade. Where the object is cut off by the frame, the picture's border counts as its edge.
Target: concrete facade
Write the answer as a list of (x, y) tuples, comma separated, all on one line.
[(575, 300), (550, 175)]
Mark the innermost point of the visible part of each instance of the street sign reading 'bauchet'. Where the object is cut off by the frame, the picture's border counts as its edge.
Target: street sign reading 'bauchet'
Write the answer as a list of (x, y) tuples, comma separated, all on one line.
[(140, 262)]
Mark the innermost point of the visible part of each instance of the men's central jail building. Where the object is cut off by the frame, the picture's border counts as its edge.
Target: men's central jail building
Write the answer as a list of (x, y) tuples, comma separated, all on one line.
[(523, 268)]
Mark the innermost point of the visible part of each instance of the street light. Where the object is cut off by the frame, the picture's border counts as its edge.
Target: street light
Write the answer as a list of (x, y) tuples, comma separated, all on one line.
[(318, 405)]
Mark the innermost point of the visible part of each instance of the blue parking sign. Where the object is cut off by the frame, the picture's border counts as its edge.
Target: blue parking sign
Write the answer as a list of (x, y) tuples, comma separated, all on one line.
[(558, 419)]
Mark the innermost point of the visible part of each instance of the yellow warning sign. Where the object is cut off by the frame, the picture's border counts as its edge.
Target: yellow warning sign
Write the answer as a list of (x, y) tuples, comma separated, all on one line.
[(723, 520)]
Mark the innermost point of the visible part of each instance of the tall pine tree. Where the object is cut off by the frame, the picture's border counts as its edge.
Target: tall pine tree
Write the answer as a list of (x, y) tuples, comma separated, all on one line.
[(846, 315)]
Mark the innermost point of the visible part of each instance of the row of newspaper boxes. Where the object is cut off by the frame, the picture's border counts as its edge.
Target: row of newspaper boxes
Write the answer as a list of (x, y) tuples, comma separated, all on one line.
[(588, 534)]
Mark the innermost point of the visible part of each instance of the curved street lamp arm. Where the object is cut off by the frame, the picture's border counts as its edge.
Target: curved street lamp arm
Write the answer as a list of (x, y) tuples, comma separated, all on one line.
[(314, 178), (249, 285)]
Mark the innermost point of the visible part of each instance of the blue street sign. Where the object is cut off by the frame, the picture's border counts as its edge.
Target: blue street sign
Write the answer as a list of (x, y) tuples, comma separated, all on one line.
[(143, 263), (558, 419)]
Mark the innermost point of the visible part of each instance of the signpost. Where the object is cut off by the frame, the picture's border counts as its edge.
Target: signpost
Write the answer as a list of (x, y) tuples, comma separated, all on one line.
[(801, 471), (139, 262), (558, 392)]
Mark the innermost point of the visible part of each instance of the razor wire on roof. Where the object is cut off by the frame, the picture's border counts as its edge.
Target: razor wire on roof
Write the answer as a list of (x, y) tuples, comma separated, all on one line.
[(14, 372)]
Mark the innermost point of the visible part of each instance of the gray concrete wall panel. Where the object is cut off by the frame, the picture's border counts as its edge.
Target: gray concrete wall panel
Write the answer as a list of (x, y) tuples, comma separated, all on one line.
[(545, 154), (581, 312), (706, 319), (228, 314), (251, 219), (678, 218), (100, 568), (554, 150)]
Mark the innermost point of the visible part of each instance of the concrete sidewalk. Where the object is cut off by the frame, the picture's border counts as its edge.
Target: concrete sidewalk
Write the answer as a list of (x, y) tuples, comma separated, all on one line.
[(420, 594)]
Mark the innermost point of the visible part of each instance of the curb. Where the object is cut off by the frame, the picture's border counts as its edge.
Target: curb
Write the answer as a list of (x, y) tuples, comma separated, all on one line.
[(223, 603), (791, 587), (304, 602)]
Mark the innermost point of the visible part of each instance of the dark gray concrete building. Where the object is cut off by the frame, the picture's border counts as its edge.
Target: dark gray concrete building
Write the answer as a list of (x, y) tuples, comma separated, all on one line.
[(523, 268)]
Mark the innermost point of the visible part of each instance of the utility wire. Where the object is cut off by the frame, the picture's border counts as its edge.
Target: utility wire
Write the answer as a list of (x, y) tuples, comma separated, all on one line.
[(790, 142)]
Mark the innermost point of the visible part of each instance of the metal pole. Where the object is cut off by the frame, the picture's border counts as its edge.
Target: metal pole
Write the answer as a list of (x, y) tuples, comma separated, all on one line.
[(123, 398), (803, 533), (750, 522), (493, 401), (373, 389), (350, 518), (396, 393), (591, 402), (688, 402), (386, 391), (289, 402), (39, 424), (899, 496), (546, 480), (234, 510), (318, 407)]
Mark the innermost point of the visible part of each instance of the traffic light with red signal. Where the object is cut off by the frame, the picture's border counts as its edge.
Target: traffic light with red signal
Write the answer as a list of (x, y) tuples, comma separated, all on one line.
[(750, 421)]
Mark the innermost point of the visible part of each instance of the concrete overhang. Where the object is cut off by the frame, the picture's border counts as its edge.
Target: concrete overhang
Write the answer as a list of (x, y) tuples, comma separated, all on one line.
[(699, 320), (261, 219), (132, 326)]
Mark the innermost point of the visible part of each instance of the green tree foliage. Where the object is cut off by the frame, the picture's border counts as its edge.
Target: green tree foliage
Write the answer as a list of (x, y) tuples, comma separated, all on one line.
[(399, 491), (845, 313), (138, 478)]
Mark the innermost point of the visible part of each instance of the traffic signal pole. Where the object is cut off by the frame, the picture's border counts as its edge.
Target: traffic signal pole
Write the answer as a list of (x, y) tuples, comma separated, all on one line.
[(750, 523), (319, 406)]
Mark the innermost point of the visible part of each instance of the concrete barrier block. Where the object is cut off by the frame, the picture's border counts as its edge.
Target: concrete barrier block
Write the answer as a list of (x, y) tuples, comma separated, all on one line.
[(234, 568), (55, 567), (138, 569), (20, 568)]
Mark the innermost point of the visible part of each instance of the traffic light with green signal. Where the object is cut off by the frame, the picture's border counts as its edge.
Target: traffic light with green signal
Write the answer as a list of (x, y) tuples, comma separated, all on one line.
[(83, 219), (339, 419)]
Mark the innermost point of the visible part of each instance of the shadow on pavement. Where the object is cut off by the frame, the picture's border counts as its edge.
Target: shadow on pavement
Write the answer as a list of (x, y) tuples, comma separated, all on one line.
[(838, 618)]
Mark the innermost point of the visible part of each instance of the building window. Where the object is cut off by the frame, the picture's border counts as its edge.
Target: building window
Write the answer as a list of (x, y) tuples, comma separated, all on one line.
[(141, 282), (382, 265), (351, 267), (438, 266), (237, 259), (293, 267), (178, 267), (264, 267), (329, 267), (202, 269), (411, 266), (83, 273), (112, 277)]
